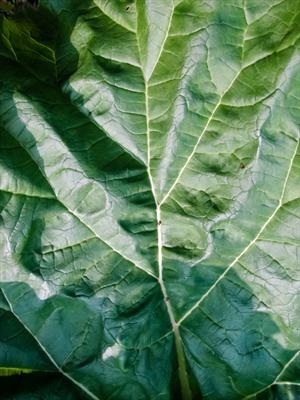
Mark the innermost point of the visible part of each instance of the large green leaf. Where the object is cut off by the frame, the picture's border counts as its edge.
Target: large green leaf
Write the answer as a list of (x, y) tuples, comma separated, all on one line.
[(150, 200)]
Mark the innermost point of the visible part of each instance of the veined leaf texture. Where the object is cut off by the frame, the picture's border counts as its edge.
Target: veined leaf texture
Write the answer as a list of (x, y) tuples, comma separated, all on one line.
[(150, 200)]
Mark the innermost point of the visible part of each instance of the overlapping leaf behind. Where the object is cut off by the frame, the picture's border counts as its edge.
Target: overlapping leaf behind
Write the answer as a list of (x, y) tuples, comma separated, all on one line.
[(150, 200)]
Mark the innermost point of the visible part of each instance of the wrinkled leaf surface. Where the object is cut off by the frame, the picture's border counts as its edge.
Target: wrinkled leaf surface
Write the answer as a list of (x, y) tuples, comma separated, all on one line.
[(150, 200)]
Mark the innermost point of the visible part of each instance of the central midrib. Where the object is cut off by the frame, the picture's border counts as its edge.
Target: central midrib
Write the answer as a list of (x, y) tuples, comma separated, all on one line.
[(182, 370)]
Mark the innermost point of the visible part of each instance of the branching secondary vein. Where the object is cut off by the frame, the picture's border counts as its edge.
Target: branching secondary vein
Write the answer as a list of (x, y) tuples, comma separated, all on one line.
[(167, 195), (253, 241), (43, 348), (182, 369)]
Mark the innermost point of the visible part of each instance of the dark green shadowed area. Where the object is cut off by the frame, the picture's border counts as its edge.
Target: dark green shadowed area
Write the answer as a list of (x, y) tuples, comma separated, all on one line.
[(149, 200), (36, 386)]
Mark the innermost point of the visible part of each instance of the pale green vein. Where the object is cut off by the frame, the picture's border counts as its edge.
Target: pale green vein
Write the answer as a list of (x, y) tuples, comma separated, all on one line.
[(150, 72), (276, 382), (286, 366), (281, 383), (182, 369), (73, 212), (109, 16), (147, 271), (249, 246), (43, 348), (219, 103), (40, 196)]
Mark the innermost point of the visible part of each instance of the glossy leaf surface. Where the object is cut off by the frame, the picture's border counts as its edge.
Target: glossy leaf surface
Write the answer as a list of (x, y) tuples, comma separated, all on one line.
[(150, 200)]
